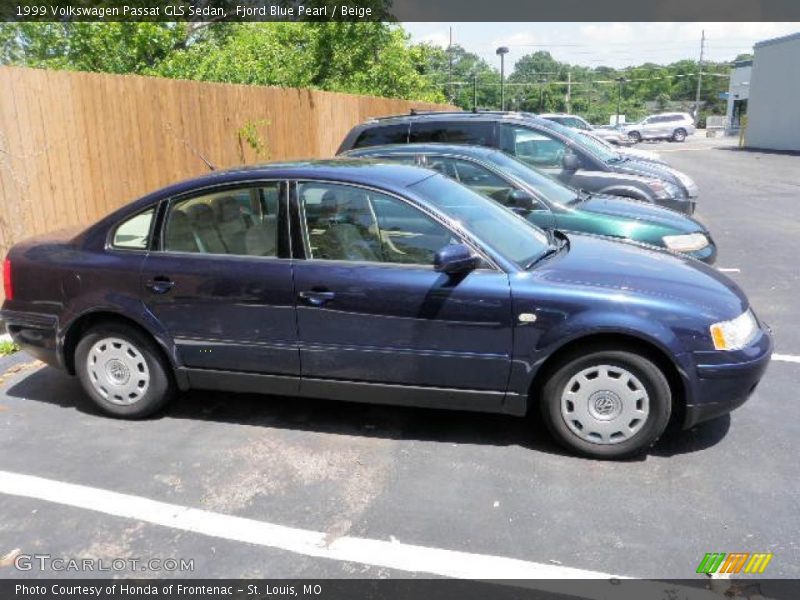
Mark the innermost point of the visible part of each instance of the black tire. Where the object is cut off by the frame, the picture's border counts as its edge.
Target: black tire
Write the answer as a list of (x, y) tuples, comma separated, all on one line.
[(635, 137), (679, 135), (648, 374), (160, 387)]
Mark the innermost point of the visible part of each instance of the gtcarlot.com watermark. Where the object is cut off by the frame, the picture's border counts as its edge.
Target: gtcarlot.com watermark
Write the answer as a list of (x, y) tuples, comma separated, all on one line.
[(59, 564)]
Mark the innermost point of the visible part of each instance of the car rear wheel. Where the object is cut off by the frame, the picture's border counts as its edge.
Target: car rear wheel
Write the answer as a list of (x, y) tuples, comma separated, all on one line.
[(635, 137), (679, 135), (122, 371), (607, 403)]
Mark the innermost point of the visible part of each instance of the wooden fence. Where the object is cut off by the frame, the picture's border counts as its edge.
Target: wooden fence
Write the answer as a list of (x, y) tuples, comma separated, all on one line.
[(74, 146)]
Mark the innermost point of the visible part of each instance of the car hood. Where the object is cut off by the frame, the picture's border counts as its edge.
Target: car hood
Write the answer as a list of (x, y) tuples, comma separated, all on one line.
[(626, 272), (640, 211), (657, 171), (641, 155)]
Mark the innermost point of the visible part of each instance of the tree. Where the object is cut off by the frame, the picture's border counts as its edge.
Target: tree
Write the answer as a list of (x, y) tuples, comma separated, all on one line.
[(433, 63)]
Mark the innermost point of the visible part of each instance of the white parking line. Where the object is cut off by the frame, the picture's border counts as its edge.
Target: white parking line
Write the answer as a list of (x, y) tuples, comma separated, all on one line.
[(728, 270), (792, 358), (389, 554)]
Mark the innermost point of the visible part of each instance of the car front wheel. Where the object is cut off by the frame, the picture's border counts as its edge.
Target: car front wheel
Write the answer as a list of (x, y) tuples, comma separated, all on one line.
[(679, 135), (607, 403), (635, 137), (122, 371)]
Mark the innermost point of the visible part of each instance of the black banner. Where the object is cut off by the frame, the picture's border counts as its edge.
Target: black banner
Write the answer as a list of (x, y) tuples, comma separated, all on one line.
[(401, 10), (400, 589)]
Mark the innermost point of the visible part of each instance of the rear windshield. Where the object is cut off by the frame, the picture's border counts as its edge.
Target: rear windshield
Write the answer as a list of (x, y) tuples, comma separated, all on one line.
[(386, 134), (452, 132)]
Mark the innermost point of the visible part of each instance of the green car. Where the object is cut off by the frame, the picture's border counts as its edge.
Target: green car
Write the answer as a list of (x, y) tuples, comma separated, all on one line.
[(549, 203)]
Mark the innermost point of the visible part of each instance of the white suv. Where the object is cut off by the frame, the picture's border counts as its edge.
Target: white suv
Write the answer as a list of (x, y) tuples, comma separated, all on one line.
[(665, 126)]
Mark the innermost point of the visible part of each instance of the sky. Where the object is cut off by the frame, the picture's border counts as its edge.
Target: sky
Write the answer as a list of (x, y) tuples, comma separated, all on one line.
[(616, 45)]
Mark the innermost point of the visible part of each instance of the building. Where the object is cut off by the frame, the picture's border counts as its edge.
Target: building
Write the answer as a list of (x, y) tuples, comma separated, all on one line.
[(738, 94), (773, 111)]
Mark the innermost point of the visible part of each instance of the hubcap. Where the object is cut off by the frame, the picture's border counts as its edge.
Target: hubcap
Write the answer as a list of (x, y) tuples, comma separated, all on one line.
[(118, 371), (605, 404)]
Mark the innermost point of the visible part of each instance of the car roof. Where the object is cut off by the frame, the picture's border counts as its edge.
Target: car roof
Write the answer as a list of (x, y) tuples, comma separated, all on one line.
[(390, 176), (424, 147), (354, 170), (480, 115)]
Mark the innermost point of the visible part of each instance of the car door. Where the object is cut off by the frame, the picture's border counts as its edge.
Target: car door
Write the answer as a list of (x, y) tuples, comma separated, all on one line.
[(371, 307), (481, 179), (220, 282)]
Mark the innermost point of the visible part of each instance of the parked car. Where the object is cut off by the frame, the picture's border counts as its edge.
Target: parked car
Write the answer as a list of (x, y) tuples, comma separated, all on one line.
[(633, 153), (362, 281), (550, 204), (612, 136), (577, 161), (664, 126)]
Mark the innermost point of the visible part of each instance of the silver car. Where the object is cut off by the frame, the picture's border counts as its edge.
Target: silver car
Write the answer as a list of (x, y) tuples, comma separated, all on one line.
[(664, 126), (609, 135)]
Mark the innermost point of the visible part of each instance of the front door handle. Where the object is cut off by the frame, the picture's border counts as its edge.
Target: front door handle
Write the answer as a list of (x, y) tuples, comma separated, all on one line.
[(160, 284), (316, 298)]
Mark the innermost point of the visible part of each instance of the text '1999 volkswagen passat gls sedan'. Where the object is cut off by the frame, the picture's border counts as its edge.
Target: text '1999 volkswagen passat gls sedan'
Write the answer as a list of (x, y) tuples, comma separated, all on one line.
[(360, 281)]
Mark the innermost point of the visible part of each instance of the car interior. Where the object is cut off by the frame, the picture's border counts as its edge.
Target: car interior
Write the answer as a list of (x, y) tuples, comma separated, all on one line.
[(346, 223), (242, 222)]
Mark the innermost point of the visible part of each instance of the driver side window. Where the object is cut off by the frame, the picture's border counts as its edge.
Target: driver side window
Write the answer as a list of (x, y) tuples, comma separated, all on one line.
[(532, 147), (355, 224), (476, 177)]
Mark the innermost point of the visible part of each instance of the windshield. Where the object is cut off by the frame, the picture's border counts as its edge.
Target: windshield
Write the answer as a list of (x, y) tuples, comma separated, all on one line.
[(587, 142), (510, 235), (547, 186)]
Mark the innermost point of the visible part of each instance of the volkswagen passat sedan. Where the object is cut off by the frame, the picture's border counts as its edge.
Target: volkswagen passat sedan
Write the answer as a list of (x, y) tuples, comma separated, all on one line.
[(546, 202), (353, 280)]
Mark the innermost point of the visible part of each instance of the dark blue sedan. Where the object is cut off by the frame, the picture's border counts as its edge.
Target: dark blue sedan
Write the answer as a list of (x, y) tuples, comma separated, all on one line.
[(353, 280)]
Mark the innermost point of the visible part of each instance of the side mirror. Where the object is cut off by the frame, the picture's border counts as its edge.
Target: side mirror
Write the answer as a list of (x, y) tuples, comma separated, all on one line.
[(455, 258), (522, 202), (571, 162)]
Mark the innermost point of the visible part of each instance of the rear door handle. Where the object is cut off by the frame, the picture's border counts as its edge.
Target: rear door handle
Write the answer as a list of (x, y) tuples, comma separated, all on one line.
[(160, 284), (315, 298)]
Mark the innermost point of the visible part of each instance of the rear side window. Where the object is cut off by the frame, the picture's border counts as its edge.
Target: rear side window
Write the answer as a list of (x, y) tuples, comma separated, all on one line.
[(453, 132), (134, 233), (386, 134), (243, 222)]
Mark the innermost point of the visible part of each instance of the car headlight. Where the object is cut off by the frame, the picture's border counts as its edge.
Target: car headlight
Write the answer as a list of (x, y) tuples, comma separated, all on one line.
[(664, 190), (690, 242), (736, 333)]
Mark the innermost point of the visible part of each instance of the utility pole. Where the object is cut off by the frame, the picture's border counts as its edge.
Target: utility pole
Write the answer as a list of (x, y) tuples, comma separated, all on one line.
[(569, 92), (541, 94), (620, 80), (450, 60), (475, 91), (699, 78)]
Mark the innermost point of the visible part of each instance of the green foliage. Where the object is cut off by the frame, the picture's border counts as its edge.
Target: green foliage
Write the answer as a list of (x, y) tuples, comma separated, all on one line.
[(250, 134), (364, 58), (7, 348), (433, 63)]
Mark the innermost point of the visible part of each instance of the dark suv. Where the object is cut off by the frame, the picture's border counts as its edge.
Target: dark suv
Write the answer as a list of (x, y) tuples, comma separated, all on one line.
[(576, 160)]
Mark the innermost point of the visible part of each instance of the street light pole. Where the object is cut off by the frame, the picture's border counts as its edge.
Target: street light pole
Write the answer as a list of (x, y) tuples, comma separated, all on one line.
[(502, 51), (619, 80), (475, 91)]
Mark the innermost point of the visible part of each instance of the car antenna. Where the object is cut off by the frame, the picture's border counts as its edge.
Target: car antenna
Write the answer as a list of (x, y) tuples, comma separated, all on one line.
[(211, 166)]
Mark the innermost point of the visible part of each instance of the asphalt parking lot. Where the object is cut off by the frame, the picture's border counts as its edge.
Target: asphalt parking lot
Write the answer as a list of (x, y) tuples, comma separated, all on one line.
[(487, 486)]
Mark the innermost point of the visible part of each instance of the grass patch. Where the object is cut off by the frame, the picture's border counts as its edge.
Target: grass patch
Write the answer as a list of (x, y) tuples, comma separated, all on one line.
[(7, 348)]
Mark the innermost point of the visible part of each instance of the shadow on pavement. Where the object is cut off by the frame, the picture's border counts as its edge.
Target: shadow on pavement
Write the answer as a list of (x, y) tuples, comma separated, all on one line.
[(53, 387)]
